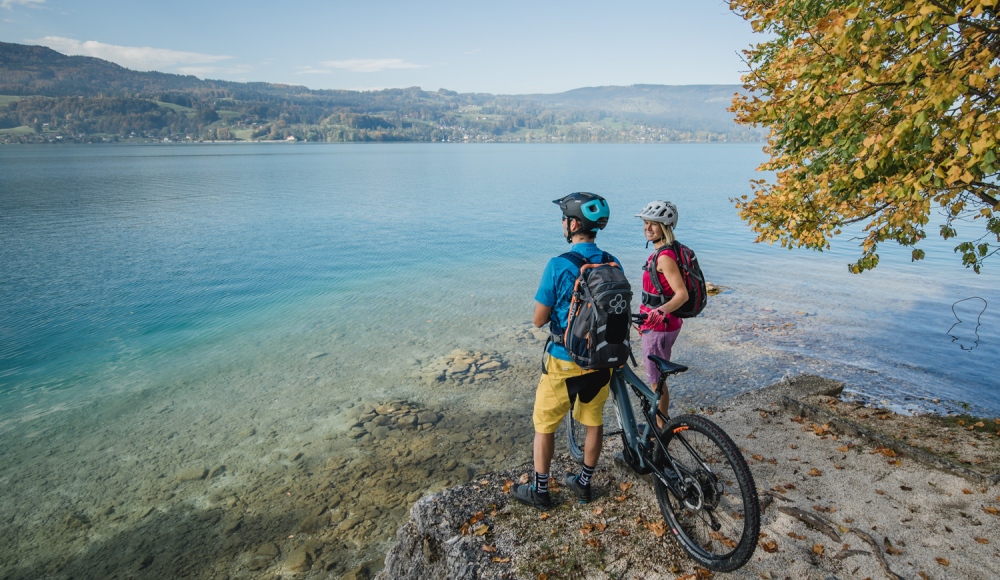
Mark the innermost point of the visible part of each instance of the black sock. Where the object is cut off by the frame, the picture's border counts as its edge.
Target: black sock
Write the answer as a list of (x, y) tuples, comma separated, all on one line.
[(585, 474), (541, 482)]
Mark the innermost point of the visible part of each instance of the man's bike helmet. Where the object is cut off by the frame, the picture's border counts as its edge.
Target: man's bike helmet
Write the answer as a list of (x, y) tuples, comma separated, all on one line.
[(589, 209)]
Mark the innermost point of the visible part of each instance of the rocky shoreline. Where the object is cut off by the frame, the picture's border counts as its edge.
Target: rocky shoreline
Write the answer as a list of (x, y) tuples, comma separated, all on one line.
[(925, 523)]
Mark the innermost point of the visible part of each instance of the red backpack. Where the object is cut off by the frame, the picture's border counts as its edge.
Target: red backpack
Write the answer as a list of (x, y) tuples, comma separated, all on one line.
[(693, 278)]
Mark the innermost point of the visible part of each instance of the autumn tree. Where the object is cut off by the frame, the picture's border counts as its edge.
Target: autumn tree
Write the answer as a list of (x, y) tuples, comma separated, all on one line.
[(881, 112)]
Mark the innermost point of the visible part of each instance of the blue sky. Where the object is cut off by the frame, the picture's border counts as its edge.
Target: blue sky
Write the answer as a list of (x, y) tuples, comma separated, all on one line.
[(513, 47)]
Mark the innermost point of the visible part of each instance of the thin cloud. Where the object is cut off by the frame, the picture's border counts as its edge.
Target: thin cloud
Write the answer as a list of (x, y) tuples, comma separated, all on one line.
[(133, 57), (8, 4), (203, 71), (370, 64)]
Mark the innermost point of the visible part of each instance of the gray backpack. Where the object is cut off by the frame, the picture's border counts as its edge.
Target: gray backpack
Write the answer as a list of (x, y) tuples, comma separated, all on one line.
[(597, 329)]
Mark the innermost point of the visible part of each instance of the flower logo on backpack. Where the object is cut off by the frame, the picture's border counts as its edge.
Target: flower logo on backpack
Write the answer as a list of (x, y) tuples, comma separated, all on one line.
[(618, 304)]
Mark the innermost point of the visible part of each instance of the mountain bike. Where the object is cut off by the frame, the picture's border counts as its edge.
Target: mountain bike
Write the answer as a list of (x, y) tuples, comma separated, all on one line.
[(703, 485)]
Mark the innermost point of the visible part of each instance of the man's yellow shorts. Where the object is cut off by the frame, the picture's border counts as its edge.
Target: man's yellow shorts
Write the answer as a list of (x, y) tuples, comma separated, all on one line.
[(552, 396)]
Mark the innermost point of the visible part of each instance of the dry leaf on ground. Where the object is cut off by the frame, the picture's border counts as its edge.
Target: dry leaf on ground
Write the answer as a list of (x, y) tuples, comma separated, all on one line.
[(815, 472), (942, 561)]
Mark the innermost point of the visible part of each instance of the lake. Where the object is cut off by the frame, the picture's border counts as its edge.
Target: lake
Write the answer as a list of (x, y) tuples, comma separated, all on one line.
[(235, 308)]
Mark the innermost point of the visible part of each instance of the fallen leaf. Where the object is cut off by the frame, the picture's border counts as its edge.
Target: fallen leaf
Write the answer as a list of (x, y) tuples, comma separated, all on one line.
[(838, 466), (464, 529), (880, 492), (765, 575), (843, 529), (481, 530), (484, 482), (798, 419), (499, 559), (598, 511), (622, 532), (600, 527), (479, 516), (981, 540), (789, 486), (506, 486), (942, 561), (758, 457), (905, 488), (991, 510), (967, 491), (543, 577), (621, 497), (818, 549), (769, 547), (796, 536), (815, 472), (626, 486), (543, 516), (489, 548), (924, 576), (848, 520), (751, 436), (843, 449), (595, 543), (524, 479), (793, 446), (763, 415)]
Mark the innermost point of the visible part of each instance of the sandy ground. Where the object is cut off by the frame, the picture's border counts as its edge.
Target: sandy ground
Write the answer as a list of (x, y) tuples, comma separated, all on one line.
[(924, 523)]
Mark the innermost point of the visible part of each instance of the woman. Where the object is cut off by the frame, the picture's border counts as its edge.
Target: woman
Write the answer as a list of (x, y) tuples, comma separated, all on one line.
[(660, 329)]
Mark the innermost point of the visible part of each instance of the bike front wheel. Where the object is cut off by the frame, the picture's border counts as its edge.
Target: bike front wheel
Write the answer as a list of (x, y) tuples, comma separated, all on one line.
[(716, 519)]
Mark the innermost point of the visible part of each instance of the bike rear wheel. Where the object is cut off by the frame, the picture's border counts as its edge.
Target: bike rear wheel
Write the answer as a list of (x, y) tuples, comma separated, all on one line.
[(718, 521), (576, 435)]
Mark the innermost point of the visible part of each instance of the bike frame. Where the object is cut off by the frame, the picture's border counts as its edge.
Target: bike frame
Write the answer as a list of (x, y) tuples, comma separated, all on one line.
[(622, 378)]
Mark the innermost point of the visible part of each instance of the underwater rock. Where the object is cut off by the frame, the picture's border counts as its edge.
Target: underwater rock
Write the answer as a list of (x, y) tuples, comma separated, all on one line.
[(192, 474), (268, 549), (298, 560), (428, 417), (314, 355)]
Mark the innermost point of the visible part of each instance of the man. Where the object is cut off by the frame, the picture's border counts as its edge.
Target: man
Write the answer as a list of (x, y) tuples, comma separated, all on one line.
[(583, 215)]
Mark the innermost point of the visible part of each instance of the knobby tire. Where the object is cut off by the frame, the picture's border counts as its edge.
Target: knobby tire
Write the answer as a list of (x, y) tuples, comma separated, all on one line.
[(731, 495)]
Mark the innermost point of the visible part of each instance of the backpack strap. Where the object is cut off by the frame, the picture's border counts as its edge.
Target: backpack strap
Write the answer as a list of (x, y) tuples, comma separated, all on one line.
[(575, 257), (654, 276)]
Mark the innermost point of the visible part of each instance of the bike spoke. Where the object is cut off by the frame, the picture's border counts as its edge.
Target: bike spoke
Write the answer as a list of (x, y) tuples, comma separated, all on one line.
[(712, 513)]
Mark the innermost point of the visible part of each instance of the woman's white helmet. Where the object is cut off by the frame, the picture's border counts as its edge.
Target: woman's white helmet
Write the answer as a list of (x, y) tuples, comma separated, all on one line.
[(664, 212)]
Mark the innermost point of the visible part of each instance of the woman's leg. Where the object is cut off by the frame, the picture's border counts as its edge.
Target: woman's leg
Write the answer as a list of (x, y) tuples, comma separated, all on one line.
[(663, 346)]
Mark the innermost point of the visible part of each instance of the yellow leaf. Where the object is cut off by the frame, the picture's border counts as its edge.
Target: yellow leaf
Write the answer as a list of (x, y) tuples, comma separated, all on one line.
[(859, 173), (481, 530)]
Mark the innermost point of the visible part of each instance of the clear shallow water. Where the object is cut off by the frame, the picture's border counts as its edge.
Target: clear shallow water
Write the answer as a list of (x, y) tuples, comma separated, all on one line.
[(233, 308), (122, 263)]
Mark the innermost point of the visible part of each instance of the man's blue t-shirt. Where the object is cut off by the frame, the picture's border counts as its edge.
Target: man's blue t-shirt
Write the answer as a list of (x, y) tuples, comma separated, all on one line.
[(556, 288)]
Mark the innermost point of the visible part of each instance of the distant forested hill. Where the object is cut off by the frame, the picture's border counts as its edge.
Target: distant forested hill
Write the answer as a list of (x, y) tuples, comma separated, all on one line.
[(46, 95)]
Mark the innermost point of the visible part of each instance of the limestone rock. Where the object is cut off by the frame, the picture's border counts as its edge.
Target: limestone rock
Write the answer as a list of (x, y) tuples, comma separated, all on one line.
[(428, 417), (365, 571), (489, 366), (314, 355), (268, 549), (312, 524), (298, 560), (380, 432), (431, 545), (459, 438), (192, 474)]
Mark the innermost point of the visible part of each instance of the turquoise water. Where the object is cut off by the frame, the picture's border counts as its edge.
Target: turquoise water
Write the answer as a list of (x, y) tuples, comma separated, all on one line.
[(124, 262), (232, 310)]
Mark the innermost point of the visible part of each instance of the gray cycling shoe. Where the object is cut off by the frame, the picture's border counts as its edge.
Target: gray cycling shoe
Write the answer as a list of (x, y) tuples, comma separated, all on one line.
[(583, 492), (527, 495)]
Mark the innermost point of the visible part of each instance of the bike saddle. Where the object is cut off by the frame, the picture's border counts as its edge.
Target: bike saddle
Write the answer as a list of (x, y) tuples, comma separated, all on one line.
[(666, 367)]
